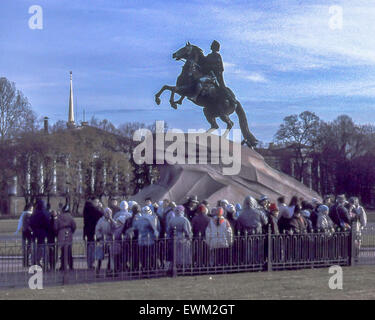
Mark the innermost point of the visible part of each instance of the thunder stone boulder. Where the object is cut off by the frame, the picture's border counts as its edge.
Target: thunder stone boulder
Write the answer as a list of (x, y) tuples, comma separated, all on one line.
[(207, 180)]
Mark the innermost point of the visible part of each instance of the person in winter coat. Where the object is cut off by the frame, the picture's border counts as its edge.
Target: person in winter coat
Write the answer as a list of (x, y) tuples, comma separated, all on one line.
[(191, 207), (40, 224), (161, 213), (328, 200), (91, 216), (297, 229), (315, 203), (359, 221), (339, 214), (232, 217), (147, 228), (200, 221), (180, 228), (130, 240), (273, 218), (325, 225), (219, 239), (294, 202), (238, 209), (131, 203), (278, 246), (251, 219), (264, 204), (359, 214), (26, 234), (306, 210), (199, 225), (179, 224), (223, 204), (168, 214), (119, 247), (123, 211), (113, 205), (298, 223), (64, 226), (104, 232), (324, 222), (26, 209), (284, 214), (51, 245)]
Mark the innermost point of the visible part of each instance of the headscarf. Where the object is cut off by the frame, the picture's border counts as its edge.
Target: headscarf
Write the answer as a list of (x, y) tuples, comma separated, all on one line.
[(108, 211), (230, 208), (124, 205), (224, 202), (147, 210), (180, 210), (250, 202), (202, 209), (322, 209), (131, 204)]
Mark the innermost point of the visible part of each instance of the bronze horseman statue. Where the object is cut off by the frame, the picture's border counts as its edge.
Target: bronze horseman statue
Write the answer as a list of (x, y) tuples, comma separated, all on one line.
[(201, 81)]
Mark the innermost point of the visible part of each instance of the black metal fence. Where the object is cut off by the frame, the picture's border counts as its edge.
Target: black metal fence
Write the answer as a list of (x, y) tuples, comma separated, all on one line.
[(130, 259), (364, 246)]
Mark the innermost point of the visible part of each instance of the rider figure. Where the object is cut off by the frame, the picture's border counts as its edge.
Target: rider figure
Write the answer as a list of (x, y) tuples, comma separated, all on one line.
[(214, 63), (213, 66)]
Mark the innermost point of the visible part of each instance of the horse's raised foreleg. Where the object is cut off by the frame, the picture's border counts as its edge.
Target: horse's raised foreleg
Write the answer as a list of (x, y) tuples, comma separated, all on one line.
[(157, 96), (180, 100), (171, 100)]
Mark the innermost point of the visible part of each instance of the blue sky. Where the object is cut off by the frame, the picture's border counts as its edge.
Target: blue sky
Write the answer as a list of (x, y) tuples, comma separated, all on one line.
[(281, 57)]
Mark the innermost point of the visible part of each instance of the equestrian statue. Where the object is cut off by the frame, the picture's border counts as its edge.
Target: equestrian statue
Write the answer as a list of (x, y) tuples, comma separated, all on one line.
[(201, 81)]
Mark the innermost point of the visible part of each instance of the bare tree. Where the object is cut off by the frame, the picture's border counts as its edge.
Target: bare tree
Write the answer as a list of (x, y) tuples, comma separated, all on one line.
[(299, 132), (14, 109)]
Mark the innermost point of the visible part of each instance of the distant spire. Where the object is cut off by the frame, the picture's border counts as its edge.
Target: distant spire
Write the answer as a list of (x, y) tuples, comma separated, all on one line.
[(71, 122), (76, 117)]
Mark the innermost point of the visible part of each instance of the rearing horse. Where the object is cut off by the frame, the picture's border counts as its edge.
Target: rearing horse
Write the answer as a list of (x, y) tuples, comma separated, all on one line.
[(214, 99)]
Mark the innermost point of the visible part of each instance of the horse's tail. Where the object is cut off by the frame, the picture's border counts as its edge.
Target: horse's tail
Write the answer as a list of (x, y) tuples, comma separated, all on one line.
[(249, 138)]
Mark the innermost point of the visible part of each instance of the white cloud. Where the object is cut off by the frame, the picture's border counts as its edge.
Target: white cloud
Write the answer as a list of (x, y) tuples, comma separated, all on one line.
[(300, 36), (232, 69), (255, 77)]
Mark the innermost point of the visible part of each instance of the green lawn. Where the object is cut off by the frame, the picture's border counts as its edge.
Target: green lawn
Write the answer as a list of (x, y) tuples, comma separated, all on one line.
[(358, 283)]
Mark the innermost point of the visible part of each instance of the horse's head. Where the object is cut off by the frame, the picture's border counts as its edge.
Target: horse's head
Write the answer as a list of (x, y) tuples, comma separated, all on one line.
[(187, 52)]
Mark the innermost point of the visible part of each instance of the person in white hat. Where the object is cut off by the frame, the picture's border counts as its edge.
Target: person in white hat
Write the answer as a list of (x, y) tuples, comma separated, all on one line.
[(324, 222), (131, 203), (148, 233)]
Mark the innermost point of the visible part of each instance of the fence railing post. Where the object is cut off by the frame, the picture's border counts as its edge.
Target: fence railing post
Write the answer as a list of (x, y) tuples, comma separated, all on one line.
[(65, 262), (353, 236), (174, 254), (269, 249)]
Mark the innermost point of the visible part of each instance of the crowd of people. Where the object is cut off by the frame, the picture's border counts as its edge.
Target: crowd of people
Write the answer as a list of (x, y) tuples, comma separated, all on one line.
[(127, 232)]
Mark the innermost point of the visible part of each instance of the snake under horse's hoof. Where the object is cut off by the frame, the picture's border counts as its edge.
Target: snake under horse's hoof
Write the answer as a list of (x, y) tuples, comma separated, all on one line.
[(250, 144)]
